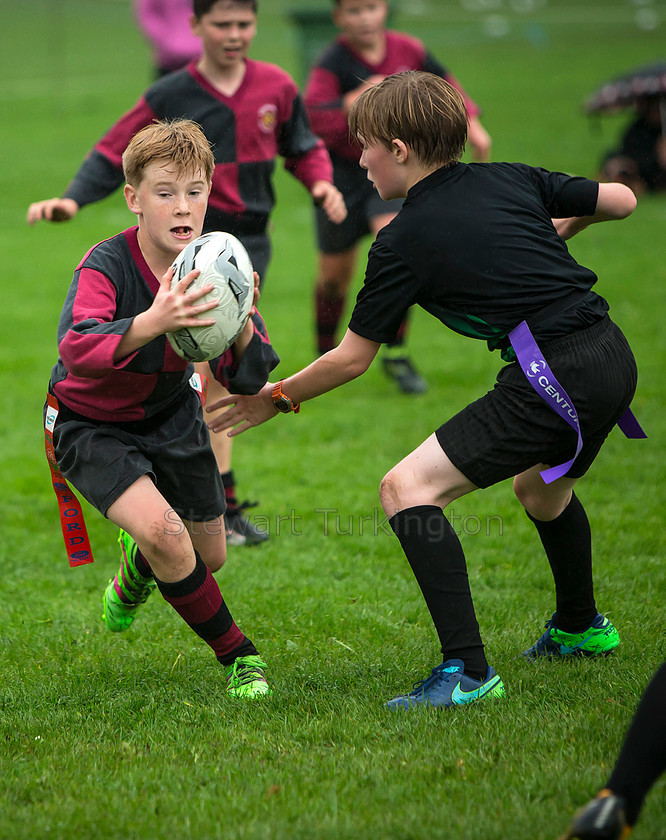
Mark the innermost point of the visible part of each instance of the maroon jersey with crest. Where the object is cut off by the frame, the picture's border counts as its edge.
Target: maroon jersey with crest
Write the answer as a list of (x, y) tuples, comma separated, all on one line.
[(264, 119), (341, 69), (112, 284)]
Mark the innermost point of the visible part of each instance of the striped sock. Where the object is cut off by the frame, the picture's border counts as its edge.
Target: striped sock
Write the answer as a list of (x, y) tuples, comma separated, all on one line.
[(328, 311), (199, 602)]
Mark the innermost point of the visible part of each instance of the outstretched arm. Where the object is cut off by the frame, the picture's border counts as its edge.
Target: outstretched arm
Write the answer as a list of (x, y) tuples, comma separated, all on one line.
[(615, 201), (349, 359)]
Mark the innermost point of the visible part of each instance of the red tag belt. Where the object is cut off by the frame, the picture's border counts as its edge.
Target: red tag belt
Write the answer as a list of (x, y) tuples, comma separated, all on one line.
[(71, 515)]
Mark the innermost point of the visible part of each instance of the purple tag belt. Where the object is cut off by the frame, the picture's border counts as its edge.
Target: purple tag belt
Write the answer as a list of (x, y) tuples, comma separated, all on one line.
[(541, 378)]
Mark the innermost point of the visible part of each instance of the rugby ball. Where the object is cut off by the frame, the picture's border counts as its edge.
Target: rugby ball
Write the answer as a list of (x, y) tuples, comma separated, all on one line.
[(224, 262)]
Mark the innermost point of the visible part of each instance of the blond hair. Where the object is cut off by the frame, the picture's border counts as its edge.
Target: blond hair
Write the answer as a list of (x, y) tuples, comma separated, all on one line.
[(421, 109), (178, 142)]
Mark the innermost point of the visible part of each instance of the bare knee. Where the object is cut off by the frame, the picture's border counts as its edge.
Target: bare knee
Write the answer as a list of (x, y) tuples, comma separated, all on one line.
[(400, 489), (208, 539), (390, 493), (541, 504), (165, 548), (335, 273), (217, 558)]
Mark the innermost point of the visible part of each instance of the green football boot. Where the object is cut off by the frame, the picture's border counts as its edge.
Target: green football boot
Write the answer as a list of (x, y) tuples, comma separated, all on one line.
[(246, 679), (127, 590), (600, 639)]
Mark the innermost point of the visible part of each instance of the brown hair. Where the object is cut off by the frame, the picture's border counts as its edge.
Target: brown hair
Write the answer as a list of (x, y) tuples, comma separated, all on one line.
[(180, 142), (202, 7), (419, 108)]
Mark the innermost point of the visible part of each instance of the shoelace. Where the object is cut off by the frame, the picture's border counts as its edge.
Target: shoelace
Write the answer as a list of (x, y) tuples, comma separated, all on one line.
[(241, 507), (243, 673), (437, 672)]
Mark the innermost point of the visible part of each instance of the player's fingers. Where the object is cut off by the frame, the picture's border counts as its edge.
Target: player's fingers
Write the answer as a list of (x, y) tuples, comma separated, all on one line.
[(238, 430), (222, 403), (206, 307), (189, 278), (199, 322), (336, 212), (165, 280), (195, 294), (227, 419)]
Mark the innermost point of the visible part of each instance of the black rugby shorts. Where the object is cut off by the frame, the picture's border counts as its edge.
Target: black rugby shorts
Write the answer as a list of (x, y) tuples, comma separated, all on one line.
[(511, 428), (102, 460)]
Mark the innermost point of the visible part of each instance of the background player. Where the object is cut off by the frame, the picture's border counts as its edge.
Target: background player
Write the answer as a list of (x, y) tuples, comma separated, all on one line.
[(612, 814), (363, 54), (640, 160), (166, 26), (129, 432), (412, 127), (251, 112)]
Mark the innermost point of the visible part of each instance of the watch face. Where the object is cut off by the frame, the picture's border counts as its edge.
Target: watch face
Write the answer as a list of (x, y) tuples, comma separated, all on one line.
[(283, 404)]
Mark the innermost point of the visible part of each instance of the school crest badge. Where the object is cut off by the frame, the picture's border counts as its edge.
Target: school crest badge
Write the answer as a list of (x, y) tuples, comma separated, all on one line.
[(267, 118)]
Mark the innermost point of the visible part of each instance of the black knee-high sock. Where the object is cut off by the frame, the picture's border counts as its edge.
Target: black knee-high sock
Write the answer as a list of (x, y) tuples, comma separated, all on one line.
[(199, 602), (568, 545), (437, 560), (642, 758)]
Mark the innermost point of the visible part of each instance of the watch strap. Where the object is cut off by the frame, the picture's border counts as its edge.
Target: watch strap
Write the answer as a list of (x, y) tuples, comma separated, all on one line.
[(282, 402)]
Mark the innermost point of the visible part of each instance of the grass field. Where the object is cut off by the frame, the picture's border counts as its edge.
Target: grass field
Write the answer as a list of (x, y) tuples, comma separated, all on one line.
[(106, 737)]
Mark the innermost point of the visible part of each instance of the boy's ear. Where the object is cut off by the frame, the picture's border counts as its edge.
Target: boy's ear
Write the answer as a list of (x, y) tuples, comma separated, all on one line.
[(131, 199), (400, 149)]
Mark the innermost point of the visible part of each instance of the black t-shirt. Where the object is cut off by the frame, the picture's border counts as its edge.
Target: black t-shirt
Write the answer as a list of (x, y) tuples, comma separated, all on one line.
[(475, 246)]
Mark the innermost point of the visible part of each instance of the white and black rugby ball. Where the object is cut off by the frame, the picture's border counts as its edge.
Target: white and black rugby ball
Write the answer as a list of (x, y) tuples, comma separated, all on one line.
[(224, 262)]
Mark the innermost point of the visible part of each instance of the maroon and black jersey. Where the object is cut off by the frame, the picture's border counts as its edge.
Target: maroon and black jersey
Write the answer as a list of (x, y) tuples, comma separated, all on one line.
[(111, 285), (341, 69), (263, 119)]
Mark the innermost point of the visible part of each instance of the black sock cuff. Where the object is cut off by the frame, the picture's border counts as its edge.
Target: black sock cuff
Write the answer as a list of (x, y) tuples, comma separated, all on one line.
[(413, 521), (186, 586), (228, 478), (141, 565), (572, 508), (245, 648)]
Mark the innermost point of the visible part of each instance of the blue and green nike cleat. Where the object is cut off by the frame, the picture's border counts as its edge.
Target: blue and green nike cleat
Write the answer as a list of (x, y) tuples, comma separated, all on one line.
[(600, 639), (448, 685)]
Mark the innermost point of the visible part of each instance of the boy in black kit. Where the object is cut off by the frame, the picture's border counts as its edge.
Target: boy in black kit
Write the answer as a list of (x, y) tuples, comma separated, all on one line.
[(129, 432), (476, 246)]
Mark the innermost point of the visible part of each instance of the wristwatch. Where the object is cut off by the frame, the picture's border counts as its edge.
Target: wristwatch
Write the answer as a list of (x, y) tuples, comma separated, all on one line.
[(282, 402)]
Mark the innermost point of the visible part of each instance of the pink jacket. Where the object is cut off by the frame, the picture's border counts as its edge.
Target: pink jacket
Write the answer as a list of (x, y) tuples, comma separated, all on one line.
[(166, 24)]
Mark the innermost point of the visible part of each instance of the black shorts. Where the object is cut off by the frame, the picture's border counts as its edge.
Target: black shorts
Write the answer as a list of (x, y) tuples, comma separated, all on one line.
[(259, 249), (512, 429), (363, 203), (101, 460)]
